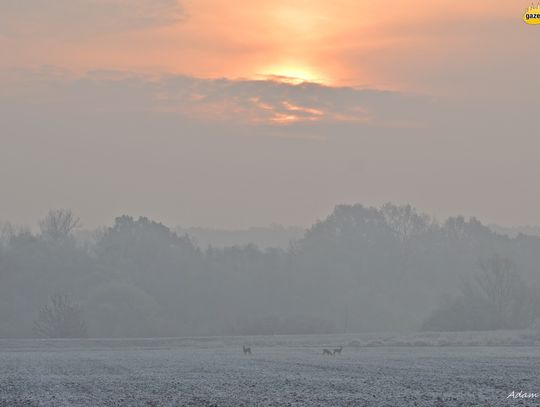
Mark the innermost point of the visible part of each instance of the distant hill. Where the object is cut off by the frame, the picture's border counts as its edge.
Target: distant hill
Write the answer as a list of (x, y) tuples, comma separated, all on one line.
[(516, 230), (264, 237)]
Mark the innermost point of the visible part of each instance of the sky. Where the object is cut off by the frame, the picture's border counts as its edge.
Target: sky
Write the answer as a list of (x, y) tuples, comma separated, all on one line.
[(231, 114)]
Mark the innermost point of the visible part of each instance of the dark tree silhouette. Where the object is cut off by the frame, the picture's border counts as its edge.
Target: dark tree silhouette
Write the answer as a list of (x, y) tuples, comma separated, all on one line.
[(60, 319)]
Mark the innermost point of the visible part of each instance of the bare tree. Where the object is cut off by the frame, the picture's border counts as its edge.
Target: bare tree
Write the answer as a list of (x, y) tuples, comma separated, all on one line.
[(6, 232), (496, 298), (60, 319), (59, 224), (405, 221)]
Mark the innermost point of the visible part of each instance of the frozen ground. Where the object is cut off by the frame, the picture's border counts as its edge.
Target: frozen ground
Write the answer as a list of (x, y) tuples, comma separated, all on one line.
[(283, 371)]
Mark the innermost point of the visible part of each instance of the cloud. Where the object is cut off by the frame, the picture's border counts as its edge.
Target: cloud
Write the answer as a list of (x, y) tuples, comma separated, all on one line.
[(246, 102), (270, 101), (111, 142), (75, 18)]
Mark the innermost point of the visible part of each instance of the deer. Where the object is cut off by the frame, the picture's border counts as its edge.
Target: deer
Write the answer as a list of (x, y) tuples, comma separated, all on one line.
[(338, 350), (246, 349), (327, 352)]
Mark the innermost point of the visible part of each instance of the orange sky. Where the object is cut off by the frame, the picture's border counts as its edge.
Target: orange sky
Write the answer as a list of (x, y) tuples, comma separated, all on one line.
[(342, 42)]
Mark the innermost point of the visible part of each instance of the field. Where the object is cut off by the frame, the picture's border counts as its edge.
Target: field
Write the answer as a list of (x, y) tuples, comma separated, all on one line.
[(283, 371)]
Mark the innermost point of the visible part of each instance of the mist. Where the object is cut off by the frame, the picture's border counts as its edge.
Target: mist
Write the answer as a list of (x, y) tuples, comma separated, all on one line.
[(278, 203), (361, 269)]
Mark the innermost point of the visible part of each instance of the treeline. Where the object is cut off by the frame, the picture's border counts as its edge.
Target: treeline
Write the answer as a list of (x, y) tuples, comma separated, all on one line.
[(360, 269)]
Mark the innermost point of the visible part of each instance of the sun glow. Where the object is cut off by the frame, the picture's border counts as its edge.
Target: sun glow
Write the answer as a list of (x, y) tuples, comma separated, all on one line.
[(294, 75)]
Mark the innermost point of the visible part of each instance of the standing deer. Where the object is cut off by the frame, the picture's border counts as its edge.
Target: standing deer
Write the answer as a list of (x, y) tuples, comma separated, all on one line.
[(327, 352), (246, 349), (338, 350)]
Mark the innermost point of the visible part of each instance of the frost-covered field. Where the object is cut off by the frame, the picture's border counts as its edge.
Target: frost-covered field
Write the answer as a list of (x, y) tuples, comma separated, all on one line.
[(283, 371)]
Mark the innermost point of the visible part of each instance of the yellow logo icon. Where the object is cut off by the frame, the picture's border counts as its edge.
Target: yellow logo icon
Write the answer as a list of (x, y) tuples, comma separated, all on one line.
[(532, 15)]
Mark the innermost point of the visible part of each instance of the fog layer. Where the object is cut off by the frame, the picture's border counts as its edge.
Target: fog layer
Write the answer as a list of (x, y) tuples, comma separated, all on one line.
[(360, 269)]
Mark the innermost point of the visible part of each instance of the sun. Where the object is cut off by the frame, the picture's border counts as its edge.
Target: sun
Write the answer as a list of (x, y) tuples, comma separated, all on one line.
[(294, 75)]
